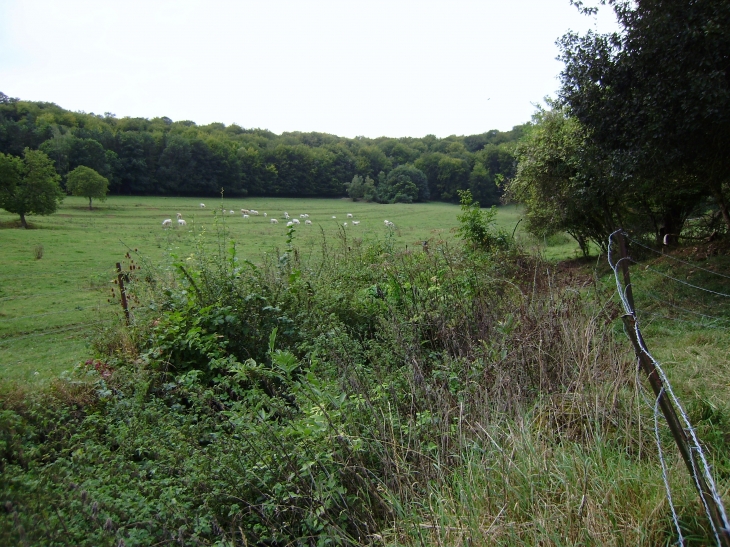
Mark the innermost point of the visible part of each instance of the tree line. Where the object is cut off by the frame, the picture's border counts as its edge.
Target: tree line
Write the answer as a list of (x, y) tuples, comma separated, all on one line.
[(140, 156)]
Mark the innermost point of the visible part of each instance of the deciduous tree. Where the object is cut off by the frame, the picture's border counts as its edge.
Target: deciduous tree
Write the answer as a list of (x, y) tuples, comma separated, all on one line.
[(29, 185), (84, 181)]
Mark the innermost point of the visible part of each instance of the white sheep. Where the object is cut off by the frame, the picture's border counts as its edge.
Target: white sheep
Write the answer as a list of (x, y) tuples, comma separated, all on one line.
[(306, 215), (202, 205), (254, 212), (302, 216), (333, 216), (344, 224), (274, 221), (389, 224), (232, 212), (179, 216), (295, 221), (245, 216), (245, 211), (265, 215), (181, 222), (167, 222), (307, 221), (286, 215), (349, 215), (355, 222), (290, 223)]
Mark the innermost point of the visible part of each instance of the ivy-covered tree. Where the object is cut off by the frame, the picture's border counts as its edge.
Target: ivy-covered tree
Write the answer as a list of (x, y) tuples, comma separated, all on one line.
[(29, 185)]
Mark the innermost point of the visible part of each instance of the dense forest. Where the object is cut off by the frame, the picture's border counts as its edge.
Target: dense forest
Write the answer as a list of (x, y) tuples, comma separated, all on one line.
[(165, 157)]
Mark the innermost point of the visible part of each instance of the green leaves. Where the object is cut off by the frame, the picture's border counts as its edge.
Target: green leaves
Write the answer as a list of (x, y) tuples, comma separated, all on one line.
[(84, 181), (30, 185), (477, 225)]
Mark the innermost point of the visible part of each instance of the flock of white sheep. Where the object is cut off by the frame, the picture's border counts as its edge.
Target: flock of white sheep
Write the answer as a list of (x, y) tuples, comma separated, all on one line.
[(247, 213)]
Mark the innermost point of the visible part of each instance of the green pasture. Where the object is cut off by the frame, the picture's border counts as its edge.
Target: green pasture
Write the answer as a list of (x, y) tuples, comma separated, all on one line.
[(51, 306)]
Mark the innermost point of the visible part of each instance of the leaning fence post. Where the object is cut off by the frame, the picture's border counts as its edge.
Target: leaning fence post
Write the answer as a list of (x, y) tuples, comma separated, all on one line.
[(665, 403), (123, 291)]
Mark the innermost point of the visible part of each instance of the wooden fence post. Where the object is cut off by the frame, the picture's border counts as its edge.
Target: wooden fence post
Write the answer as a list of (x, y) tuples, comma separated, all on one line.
[(665, 403), (122, 291)]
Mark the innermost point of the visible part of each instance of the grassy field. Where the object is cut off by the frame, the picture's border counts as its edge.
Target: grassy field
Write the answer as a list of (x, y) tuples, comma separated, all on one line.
[(56, 277)]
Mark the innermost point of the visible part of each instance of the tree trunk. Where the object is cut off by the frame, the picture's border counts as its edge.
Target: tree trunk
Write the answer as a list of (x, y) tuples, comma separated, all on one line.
[(89, 203), (722, 204), (22, 221)]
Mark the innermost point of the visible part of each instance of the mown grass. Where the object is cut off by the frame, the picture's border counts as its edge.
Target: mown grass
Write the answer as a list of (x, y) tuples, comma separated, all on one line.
[(50, 307)]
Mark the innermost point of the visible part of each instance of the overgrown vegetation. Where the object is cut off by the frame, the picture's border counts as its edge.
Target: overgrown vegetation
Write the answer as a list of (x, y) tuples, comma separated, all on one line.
[(372, 396)]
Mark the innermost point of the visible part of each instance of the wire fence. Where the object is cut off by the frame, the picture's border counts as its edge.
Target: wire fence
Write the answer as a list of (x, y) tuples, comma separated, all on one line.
[(665, 399)]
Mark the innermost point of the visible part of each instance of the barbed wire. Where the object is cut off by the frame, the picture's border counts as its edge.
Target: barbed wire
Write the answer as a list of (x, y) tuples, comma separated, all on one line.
[(678, 320), (25, 297), (52, 331), (662, 301), (670, 257), (57, 312), (649, 268), (665, 475), (694, 444)]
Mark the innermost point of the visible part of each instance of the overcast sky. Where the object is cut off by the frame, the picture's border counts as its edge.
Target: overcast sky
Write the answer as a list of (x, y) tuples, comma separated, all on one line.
[(348, 67)]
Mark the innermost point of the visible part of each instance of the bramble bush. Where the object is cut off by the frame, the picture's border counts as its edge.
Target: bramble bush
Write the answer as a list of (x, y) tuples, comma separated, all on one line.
[(349, 399)]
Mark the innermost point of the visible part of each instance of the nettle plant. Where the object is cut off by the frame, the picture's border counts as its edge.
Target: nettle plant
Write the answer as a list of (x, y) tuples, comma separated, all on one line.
[(478, 225)]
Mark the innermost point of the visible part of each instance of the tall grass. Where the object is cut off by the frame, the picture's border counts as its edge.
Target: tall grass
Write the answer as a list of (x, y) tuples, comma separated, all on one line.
[(365, 395)]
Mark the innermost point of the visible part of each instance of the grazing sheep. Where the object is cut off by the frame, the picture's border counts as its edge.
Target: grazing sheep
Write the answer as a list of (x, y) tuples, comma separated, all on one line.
[(306, 215), (286, 215), (167, 222), (333, 216), (295, 221), (181, 222), (290, 223), (355, 222), (179, 216), (254, 212), (307, 221), (245, 211), (274, 221), (344, 224), (265, 215), (245, 216), (232, 212), (202, 205), (349, 215), (389, 224), (302, 216)]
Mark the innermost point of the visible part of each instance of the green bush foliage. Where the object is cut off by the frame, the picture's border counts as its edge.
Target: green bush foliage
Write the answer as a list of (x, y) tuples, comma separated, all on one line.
[(324, 402)]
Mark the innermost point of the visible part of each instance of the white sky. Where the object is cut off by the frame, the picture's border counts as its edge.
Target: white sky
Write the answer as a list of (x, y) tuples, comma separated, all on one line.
[(348, 67)]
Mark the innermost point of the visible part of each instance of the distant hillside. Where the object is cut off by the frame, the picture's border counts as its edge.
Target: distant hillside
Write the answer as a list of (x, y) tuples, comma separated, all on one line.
[(163, 157)]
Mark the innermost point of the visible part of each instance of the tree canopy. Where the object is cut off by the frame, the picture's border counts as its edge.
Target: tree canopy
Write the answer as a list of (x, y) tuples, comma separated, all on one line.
[(165, 157), (84, 181), (655, 97), (29, 185)]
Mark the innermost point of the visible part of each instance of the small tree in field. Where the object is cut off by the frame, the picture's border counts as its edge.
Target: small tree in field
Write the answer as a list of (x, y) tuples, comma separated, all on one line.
[(29, 185), (84, 181)]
